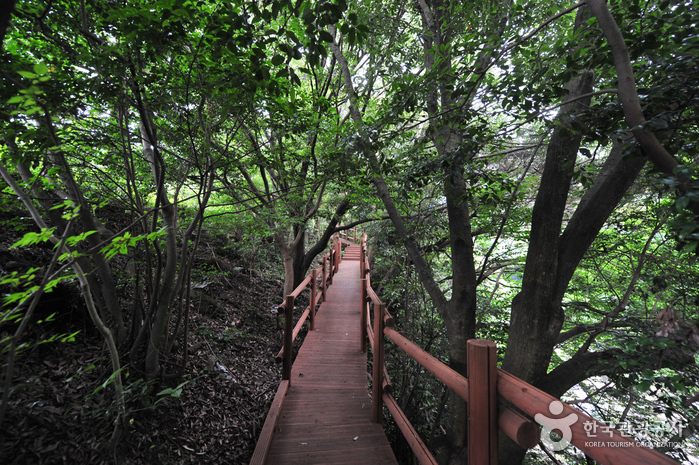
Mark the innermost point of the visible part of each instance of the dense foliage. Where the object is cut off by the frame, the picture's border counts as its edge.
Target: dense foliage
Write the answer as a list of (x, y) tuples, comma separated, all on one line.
[(527, 172)]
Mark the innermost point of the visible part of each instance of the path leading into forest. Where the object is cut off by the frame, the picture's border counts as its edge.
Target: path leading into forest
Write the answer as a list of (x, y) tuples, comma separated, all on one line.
[(326, 415)]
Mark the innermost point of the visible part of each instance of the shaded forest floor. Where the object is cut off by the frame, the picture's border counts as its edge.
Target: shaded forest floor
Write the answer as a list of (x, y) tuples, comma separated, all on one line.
[(60, 409)]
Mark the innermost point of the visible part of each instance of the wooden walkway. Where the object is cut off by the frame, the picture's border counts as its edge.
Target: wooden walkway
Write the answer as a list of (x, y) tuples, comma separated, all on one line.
[(326, 415)]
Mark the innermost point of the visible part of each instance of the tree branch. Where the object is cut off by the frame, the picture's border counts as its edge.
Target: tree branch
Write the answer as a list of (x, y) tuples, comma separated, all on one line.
[(377, 179), (628, 94)]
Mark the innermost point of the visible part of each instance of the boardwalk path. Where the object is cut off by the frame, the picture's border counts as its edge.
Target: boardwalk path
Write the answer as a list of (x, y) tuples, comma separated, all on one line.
[(326, 417)]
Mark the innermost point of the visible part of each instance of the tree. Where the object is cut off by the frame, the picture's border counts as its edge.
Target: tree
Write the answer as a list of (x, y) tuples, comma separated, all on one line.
[(446, 93), (120, 110), (285, 169), (478, 132), (442, 24)]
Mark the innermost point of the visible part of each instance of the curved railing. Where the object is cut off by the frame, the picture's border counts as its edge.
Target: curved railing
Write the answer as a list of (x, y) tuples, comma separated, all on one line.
[(480, 390)]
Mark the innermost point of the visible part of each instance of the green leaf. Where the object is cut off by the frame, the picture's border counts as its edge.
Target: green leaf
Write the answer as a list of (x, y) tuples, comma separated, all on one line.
[(73, 240), (173, 392), (691, 247), (27, 74), (325, 36), (289, 50), (155, 234), (307, 16), (643, 386), (293, 37), (681, 203), (278, 60), (31, 238), (167, 392), (70, 337), (41, 69)]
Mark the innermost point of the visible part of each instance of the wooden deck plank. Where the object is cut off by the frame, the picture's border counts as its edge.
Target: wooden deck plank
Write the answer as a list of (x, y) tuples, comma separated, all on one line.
[(326, 415)]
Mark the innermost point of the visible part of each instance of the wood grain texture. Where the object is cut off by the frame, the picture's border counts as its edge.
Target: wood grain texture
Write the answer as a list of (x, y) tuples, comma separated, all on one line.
[(263, 443), (326, 415)]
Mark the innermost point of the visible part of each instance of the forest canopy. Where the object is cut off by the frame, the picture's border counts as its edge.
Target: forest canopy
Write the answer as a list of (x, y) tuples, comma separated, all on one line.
[(526, 172)]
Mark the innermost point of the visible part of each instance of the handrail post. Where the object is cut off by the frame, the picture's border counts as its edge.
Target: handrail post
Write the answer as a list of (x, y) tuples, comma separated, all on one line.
[(363, 308), (362, 258), (363, 317), (482, 402), (377, 379), (312, 313), (333, 257), (331, 253), (325, 277), (288, 330), (338, 254)]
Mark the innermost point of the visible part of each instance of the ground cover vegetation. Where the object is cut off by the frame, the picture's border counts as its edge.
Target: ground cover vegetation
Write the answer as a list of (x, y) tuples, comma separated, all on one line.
[(526, 171)]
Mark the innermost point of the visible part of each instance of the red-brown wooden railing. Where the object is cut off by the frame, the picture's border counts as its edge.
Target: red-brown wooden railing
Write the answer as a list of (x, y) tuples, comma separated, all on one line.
[(480, 389), (329, 266)]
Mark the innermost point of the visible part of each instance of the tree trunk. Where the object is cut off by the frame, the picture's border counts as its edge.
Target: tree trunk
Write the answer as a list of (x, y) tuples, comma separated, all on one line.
[(322, 242), (537, 316), (298, 256), (165, 291), (288, 260)]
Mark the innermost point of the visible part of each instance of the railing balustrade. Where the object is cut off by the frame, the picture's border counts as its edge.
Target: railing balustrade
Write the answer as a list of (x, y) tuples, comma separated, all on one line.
[(480, 390), (328, 268)]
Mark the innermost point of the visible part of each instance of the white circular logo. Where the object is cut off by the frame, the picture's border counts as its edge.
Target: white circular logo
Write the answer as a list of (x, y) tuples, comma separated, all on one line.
[(556, 424)]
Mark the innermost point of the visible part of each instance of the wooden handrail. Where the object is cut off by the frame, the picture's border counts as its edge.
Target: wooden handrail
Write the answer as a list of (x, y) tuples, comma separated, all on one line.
[(363, 312), (297, 329), (323, 285), (387, 385), (378, 365), (310, 280), (314, 299), (480, 395), (265, 441), (421, 451), (371, 295), (522, 430), (288, 339), (300, 288), (482, 402), (346, 234), (447, 375), (609, 448)]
